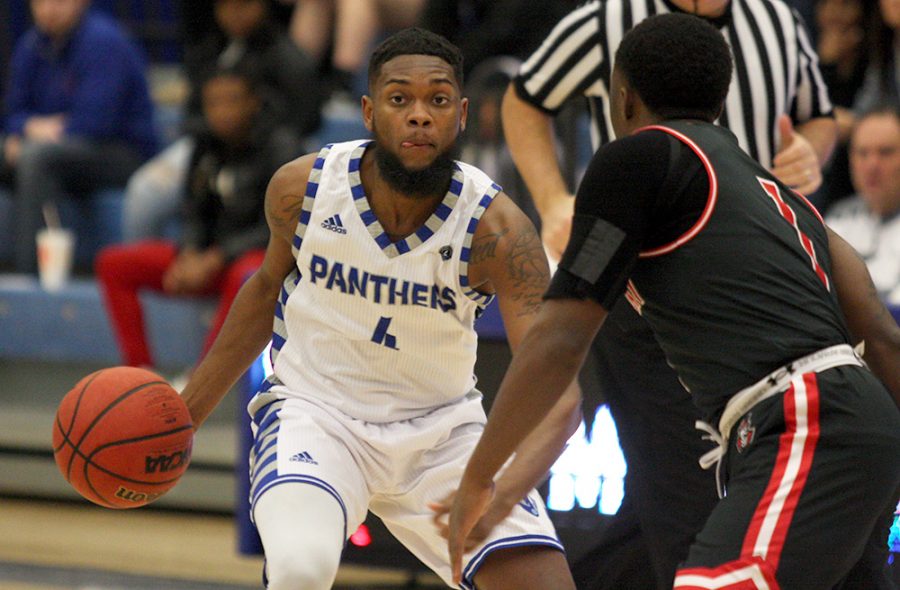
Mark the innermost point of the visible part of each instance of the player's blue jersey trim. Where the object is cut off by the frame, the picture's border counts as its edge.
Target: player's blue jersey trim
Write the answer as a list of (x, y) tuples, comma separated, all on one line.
[(425, 231), (482, 299)]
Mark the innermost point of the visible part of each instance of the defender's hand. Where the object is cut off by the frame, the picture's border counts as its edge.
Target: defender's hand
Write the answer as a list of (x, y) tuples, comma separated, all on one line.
[(469, 505), (494, 515)]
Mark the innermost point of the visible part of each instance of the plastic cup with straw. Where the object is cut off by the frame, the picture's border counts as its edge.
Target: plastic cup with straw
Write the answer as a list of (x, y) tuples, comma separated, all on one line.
[(55, 250)]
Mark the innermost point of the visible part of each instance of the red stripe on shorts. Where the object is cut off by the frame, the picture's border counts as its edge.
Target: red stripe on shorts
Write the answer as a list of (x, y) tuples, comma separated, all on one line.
[(769, 525)]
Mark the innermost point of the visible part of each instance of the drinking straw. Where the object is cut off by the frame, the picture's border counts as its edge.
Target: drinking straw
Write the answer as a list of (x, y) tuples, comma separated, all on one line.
[(51, 215)]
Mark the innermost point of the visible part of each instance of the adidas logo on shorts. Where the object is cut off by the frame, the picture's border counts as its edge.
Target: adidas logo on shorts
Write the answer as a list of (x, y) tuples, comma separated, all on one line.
[(304, 457), (334, 224), (529, 506)]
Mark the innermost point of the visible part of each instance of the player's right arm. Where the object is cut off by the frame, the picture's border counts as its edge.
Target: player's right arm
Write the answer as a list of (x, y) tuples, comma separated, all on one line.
[(529, 136), (867, 318), (248, 328)]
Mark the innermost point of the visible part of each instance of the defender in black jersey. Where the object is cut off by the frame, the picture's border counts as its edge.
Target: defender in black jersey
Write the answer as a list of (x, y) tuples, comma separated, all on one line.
[(776, 79), (755, 304)]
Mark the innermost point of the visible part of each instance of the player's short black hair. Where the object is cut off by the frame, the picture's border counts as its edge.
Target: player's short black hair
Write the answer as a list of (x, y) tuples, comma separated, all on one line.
[(679, 65), (416, 41)]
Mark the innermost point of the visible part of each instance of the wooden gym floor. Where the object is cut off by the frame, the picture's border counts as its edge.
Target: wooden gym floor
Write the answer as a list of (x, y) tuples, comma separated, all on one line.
[(48, 545)]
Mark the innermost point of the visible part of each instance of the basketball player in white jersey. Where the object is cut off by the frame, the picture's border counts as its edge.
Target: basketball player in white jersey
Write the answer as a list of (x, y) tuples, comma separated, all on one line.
[(382, 254)]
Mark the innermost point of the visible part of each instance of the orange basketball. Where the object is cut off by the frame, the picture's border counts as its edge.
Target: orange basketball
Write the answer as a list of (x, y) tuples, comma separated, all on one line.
[(122, 437)]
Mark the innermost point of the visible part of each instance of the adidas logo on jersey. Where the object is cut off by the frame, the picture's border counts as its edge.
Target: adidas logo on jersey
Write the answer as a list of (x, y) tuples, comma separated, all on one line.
[(304, 457), (335, 224)]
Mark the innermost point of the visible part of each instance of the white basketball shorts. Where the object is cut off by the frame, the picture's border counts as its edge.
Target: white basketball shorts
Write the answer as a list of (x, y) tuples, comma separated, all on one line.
[(394, 469)]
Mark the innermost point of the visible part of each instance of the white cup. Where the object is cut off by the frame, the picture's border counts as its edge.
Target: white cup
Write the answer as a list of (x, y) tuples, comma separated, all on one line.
[(55, 251)]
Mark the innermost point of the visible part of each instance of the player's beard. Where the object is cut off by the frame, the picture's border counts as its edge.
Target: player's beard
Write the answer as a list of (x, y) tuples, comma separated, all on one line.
[(432, 180)]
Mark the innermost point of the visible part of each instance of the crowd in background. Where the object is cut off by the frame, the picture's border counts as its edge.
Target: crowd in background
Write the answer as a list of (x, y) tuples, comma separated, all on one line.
[(192, 205)]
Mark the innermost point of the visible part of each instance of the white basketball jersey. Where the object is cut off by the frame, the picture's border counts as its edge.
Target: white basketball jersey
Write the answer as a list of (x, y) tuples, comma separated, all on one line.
[(381, 330)]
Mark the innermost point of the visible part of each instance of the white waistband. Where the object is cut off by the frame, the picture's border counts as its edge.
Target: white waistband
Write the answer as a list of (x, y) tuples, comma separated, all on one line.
[(779, 379), (772, 384)]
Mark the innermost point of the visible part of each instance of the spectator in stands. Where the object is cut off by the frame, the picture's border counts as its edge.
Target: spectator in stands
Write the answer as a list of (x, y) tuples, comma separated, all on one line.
[(489, 28), (246, 37), (870, 219), (881, 85), (225, 230), (349, 28), (843, 59), (79, 113), (843, 53)]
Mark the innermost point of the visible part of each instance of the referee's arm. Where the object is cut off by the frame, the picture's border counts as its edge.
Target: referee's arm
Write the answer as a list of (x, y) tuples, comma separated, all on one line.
[(821, 133), (529, 136), (799, 163)]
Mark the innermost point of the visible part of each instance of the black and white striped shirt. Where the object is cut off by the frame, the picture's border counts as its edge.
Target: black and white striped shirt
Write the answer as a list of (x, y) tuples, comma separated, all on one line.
[(776, 68)]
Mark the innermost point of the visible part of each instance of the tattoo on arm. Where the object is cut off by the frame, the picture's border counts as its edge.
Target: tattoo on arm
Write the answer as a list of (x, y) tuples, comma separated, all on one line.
[(486, 247), (527, 267), (284, 212)]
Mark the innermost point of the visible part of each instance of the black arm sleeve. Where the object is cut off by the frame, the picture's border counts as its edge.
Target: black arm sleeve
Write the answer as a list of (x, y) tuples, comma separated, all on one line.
[(616, 207)]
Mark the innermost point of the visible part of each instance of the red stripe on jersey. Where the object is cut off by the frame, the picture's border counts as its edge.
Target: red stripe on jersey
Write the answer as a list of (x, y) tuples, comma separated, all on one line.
[(811, 206), (769, 525), (785, 210), (742, 574), (710, 199)]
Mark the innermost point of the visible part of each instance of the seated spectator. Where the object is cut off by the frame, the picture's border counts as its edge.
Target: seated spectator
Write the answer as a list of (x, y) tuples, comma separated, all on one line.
[(349, 28), (490, 28), (870, 220), (881, 85), (245, 37), (79, 113), (843, 60), (224, 221)]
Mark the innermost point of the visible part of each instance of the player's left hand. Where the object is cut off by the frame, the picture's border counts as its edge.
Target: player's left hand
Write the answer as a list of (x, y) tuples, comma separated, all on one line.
[(796, 164), (469, 505)]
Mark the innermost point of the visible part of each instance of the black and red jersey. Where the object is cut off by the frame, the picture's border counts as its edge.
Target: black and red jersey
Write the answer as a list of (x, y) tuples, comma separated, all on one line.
[(730, 268)]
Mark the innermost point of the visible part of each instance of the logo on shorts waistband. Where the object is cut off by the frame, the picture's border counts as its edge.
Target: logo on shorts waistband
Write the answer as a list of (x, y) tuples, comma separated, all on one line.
[(746, 431), (304, 457)]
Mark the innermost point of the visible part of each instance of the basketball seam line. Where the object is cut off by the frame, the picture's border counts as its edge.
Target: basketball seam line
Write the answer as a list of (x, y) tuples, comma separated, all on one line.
[(76, 447)]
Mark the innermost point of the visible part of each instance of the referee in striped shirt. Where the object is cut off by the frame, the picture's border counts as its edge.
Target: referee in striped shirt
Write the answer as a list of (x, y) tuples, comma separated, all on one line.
[(778, 107)]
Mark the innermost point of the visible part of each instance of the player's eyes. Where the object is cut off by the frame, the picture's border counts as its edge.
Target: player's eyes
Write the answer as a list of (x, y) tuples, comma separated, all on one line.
[(396, 99), (441, 100)]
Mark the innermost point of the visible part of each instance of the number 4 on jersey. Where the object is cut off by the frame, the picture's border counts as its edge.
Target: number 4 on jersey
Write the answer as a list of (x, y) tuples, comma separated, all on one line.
[(381, 336), (785, 210)]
